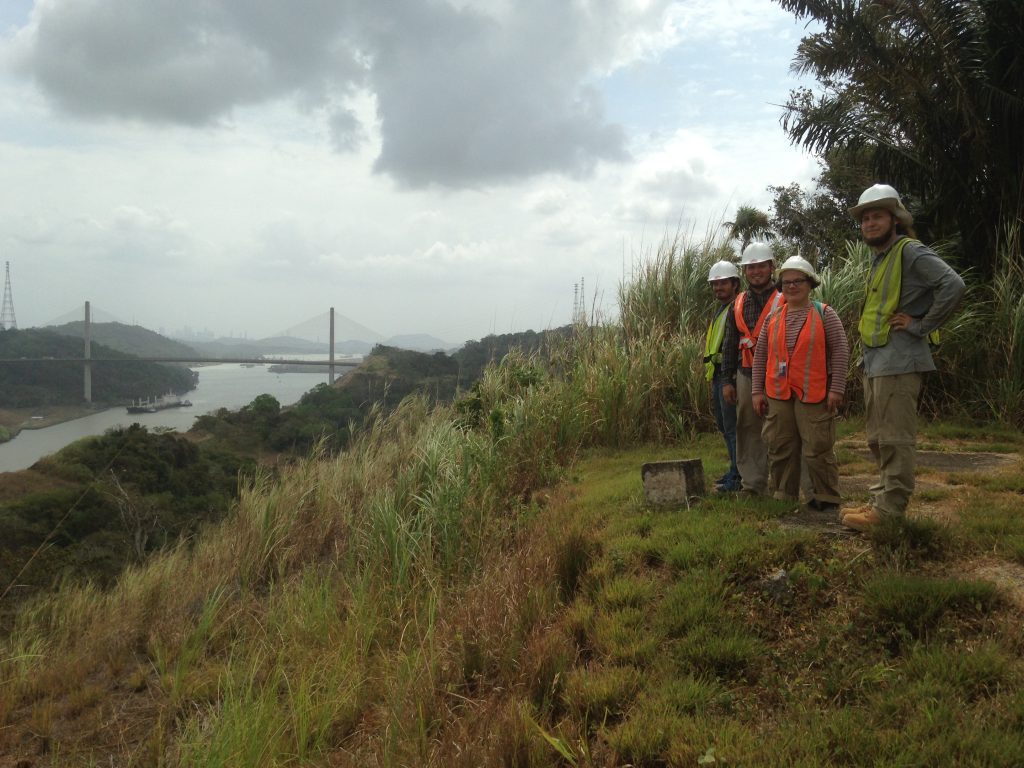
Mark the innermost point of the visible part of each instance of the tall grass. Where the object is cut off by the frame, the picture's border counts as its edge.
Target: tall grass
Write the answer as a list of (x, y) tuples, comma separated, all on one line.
[(642, 378), (1004, 393), (358, 603)]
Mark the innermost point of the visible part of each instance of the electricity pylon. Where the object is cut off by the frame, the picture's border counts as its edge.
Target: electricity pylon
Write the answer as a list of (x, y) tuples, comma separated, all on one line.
[(7, 319)]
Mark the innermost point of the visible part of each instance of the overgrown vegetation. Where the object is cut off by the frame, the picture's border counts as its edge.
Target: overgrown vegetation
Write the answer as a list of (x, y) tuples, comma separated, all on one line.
[(482, 584), (437, 594), (103, 503), (326, 416)]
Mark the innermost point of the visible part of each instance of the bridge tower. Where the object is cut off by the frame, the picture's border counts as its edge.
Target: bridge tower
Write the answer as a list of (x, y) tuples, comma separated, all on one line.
[(7, 319)]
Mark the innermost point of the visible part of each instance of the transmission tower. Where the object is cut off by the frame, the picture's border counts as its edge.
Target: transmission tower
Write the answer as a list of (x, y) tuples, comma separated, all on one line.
[(7, 319)]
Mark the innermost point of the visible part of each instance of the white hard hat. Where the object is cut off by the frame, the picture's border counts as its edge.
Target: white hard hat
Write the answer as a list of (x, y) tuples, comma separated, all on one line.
[(723, 270), (882, 196), (800, 264), (756, 253)]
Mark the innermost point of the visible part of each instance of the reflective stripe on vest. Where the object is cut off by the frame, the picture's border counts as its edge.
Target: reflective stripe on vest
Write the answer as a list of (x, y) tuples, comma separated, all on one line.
[(882, 300), (748, 340), (805, 372), (713, 345)]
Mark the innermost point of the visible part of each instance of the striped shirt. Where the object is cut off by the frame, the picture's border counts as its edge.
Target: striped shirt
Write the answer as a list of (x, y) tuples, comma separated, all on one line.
[(752, 307), (837, 348)]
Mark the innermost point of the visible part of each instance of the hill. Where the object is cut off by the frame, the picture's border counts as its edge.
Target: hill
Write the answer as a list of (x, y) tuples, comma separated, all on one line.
[(485, 585), (278, 345), (130, 339), (421, 342), (474, 356), (388, 373), (51, 382)]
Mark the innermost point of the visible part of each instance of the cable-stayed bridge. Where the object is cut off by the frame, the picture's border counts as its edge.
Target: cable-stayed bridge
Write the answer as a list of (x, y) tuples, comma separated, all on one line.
[(87, 359)]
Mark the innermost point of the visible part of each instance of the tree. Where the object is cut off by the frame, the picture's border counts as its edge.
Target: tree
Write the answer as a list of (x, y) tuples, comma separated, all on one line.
[(814, 222), (750, 224), (931, 94)]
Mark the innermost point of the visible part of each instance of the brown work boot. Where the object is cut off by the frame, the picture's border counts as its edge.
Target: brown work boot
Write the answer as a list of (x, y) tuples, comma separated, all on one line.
[(861, 518)]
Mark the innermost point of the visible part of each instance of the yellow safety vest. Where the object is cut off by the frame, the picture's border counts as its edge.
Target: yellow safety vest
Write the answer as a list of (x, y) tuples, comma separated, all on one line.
[(883, 299), (713, 345)]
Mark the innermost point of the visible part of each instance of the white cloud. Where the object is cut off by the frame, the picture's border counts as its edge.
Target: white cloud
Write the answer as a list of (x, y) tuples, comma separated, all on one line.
[(423, 166)]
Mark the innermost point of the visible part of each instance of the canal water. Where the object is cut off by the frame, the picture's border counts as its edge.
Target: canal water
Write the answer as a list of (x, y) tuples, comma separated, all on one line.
[(228, 386)]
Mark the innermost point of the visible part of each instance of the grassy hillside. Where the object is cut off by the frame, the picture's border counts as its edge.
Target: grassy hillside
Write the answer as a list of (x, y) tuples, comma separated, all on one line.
[(389, 609), (482, 585)]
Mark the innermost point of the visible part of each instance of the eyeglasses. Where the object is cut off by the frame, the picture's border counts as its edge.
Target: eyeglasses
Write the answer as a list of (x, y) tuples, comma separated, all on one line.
[(793, 283)]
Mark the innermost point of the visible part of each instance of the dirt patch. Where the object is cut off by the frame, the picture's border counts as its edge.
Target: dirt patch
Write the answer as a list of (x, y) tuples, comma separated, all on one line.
[(854, 487), (826, 523), (1009, 577), (953, 461), (16, 419)]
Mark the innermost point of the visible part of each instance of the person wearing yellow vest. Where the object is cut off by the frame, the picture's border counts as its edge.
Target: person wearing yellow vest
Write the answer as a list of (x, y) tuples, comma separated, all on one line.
[(910, 292), (743, 324), (724, 279), (799, 381)]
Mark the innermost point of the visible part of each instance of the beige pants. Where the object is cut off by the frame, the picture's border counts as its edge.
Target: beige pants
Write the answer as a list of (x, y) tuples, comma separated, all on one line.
[(793, 431), (751, 451), (891, 404)]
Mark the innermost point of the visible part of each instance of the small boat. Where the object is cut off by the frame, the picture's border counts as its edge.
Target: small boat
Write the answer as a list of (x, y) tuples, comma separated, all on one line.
[(158, 404)]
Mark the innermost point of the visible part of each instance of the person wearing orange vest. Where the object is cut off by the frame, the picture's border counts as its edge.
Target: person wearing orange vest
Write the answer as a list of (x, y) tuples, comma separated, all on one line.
[(910, 292), (750, 310), (798, 384)]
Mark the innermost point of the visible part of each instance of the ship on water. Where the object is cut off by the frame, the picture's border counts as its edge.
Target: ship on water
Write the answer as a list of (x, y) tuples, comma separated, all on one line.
[(161, 403)]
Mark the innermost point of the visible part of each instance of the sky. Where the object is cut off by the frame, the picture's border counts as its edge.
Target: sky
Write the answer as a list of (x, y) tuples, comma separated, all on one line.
[(445, 167)]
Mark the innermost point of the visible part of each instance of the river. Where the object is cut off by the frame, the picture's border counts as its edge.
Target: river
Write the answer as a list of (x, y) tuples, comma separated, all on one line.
[(228, 385)]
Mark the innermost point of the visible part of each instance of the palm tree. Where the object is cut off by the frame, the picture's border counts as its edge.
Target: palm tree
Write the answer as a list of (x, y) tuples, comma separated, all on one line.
[(750, 224), (932, 93)]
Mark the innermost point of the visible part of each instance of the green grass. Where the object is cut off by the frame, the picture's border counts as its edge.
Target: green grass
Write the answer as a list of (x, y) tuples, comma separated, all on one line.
[(996, 525), (868, 640), (437, 595), (979, 433)]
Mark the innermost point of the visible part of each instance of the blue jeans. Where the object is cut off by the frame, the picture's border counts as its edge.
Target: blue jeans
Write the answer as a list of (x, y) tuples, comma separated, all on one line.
[(725, 418)]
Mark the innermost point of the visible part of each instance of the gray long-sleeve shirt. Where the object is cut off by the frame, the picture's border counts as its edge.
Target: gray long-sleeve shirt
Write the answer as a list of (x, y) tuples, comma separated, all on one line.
[(929, 292)]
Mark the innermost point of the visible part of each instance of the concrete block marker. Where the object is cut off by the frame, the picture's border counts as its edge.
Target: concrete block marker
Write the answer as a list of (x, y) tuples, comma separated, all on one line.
[(669, 483)]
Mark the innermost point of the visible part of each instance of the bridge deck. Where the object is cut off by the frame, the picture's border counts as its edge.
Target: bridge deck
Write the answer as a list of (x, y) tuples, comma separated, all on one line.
[(254, 360)]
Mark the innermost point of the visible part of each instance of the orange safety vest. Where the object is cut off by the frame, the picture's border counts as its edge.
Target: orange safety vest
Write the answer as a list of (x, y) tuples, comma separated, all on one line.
[(748, 340), (805, 372)]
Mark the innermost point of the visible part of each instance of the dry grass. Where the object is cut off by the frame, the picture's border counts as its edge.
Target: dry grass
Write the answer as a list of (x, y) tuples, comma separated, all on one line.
[(433, 597)]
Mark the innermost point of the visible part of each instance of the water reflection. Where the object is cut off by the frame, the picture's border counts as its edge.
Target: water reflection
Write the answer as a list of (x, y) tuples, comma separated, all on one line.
[(220, 386)]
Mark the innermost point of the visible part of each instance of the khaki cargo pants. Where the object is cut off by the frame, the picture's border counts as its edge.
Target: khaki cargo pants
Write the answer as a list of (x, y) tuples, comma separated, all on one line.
[(891, 405), (751, 449), (796, 431)]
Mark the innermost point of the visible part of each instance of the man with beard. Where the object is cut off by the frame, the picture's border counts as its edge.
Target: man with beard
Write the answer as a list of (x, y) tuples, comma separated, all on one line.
[(724, 279), (911, 291), (743, 325)]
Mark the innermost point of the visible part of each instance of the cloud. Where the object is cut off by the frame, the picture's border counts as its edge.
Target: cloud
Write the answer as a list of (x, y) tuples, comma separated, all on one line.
[(467, 94), (165, 61)]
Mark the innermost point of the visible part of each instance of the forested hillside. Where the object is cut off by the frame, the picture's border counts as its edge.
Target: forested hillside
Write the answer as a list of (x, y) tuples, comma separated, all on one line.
[(104, 502), (51, 382)]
